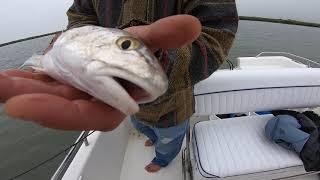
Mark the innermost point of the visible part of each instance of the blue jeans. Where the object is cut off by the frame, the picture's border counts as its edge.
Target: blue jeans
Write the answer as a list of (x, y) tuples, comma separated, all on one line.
[(167, 141), (285, 131)]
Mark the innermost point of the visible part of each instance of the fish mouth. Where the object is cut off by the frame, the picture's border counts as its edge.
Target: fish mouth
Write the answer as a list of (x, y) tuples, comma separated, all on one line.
[(123, 89), (135, 91), (141, 90)]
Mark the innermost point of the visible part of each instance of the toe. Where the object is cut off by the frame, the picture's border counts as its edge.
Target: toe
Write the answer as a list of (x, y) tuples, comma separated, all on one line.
[(152, 168), (148, 143)]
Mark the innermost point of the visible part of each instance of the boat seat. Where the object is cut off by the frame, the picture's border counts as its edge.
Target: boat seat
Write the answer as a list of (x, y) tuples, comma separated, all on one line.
[(237, 148), (241, 91), (267, 62)]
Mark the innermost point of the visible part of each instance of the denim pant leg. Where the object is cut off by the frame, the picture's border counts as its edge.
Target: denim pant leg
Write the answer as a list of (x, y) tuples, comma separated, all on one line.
[(169, 143), (285, 131), (146, 130)]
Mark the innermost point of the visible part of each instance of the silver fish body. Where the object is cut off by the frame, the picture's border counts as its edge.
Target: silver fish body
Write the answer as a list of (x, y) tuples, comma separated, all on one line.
[(96, 60)]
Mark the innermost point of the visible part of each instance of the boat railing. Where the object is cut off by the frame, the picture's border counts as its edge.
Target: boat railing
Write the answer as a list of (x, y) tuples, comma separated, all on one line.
[(58, 175), (295, 58)]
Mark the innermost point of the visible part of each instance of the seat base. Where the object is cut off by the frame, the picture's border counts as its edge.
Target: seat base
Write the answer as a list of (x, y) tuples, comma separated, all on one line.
[(236, 148)]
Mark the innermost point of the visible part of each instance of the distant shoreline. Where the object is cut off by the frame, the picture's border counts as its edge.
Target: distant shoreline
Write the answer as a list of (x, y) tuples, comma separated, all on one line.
[(280, 21), (245, 18)]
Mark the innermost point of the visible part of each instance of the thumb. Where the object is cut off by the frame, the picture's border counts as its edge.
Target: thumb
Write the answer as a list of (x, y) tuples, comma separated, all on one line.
[(170, 32)]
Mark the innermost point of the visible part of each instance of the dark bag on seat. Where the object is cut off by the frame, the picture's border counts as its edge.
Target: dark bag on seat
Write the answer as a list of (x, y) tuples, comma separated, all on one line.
[(310, 154)]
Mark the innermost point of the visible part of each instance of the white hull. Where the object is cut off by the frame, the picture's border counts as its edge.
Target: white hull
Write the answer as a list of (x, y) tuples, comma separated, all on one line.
[(118, 155), (121, 155)]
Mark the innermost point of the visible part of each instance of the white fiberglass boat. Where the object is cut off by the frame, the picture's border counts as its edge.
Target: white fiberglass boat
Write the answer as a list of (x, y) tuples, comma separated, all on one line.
[(231, 148)]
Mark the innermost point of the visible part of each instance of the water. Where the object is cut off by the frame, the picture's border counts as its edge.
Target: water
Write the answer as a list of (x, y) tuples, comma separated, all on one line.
[(14, 55), (24, 145), (255, 37)]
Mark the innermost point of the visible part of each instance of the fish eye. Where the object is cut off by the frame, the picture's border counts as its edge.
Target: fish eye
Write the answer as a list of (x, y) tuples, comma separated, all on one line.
[(125, 44), (128, 43)]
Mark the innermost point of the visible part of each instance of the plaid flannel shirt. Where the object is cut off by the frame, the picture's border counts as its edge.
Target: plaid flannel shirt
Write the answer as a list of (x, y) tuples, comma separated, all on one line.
[(184, 66)]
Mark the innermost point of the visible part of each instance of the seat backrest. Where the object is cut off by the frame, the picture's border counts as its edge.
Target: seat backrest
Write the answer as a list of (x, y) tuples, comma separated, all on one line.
[(240, 91)]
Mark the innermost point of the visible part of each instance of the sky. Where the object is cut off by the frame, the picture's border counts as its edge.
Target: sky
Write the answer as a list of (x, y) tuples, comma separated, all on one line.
[(24, 18), (305, 10)]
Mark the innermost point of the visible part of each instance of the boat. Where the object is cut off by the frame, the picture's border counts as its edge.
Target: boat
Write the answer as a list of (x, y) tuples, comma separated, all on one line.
[(214, 148)]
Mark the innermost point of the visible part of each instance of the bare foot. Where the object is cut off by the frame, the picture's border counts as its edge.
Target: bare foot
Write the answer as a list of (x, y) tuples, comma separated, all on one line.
[(152, 168), (148, 143)]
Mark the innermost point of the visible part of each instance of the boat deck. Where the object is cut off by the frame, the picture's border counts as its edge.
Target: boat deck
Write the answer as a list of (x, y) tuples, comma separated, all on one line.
[(126, 158), (137, 156)]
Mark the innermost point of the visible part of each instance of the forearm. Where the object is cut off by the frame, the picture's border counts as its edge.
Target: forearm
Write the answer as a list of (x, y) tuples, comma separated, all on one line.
[(219, 25), (81, 13)]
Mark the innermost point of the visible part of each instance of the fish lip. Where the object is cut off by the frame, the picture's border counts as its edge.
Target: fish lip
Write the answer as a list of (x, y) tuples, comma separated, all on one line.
[(155, 84), (152, 89), (119, 97), (128, 104)]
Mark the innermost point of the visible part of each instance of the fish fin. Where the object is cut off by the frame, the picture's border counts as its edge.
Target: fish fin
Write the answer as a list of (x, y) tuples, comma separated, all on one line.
[(33, 63)]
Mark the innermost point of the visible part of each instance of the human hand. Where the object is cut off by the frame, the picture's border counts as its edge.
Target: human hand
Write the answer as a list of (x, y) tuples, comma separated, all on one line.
[(40, 99)]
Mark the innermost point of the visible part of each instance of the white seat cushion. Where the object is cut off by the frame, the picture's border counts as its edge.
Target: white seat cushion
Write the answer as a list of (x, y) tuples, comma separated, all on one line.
[(238, 146), (242, 91)]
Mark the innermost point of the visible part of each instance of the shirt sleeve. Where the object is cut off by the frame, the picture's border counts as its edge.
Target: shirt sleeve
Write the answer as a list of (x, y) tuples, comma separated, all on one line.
[(219, 19), (82, 12)]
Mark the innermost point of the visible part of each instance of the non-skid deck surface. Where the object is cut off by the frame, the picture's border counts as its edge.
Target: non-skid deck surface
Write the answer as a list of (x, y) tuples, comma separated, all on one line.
[(238, 146), (138, 156)]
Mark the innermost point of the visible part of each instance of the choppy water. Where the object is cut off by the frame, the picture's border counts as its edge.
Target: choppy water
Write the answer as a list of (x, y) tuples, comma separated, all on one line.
[(255, 37), (23, 145)]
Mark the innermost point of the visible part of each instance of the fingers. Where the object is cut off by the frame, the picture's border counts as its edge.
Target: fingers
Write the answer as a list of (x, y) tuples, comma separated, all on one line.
[(16, 85), (60, 113), (171, 32), (27, 74)]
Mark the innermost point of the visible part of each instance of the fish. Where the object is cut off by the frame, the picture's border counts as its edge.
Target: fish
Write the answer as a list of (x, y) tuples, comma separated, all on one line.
[(110, 64)]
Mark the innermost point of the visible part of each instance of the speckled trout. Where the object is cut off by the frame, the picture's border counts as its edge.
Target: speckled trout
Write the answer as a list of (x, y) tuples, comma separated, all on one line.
[(109, 64)]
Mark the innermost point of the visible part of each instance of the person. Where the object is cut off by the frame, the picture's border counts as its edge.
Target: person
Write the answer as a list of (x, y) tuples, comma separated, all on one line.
[(191, 38)]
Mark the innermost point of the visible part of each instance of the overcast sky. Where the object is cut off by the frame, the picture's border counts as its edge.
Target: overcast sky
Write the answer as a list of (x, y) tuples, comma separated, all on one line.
[(307, 10), (24, 18)]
